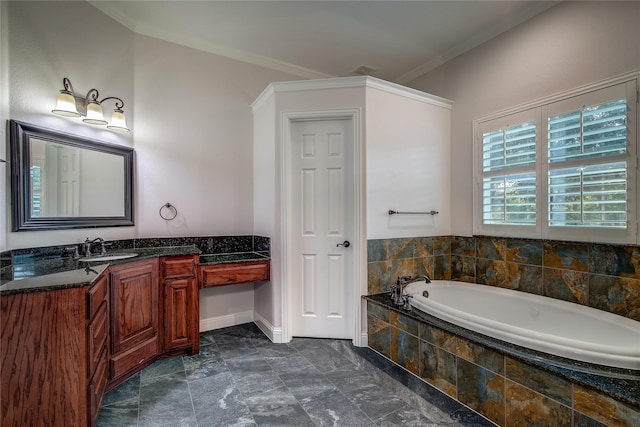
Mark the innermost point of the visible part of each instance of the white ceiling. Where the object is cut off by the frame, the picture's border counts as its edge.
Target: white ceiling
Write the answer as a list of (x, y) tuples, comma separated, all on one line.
[(401, 40)]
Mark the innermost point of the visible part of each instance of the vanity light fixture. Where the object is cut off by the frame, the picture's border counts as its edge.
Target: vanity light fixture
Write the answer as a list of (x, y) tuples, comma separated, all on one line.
[(89, 107)]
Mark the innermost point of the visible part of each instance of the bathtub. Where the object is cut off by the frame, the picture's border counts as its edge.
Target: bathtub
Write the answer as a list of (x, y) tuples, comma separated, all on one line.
[(544, 324)]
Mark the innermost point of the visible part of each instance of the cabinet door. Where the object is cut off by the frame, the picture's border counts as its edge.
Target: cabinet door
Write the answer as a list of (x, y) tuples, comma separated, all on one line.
[(179, 302), (134, 315)]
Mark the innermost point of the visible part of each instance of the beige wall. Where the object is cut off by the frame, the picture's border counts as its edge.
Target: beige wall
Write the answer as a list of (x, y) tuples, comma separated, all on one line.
[(570, 45), (189, 112)]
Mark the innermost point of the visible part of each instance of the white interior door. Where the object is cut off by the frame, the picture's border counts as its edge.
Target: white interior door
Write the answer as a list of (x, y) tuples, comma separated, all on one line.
[(322, 221)]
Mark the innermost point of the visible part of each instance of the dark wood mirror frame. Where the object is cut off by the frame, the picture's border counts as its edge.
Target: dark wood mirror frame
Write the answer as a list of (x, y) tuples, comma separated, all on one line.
[(20, 135)]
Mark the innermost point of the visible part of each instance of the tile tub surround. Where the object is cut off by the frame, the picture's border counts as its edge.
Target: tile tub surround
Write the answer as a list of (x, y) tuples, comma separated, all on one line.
[(505, 383), (241, 378), (602, 276)]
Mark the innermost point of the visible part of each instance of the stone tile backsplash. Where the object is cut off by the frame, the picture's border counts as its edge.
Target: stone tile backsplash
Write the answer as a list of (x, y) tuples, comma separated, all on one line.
[(602, 276)]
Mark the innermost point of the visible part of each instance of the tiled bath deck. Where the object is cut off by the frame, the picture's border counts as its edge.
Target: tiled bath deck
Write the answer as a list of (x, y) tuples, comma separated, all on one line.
[(240, 378)]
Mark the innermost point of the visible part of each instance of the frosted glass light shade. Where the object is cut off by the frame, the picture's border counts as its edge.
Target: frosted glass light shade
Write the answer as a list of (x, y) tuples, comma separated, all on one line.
[(94, 114), (118, 122), (66, 105)]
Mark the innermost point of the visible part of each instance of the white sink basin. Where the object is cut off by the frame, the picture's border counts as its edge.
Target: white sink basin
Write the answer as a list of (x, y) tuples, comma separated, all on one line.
[(112, 257)]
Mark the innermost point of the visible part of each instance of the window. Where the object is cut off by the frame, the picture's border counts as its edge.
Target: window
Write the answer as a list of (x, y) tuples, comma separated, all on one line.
[(556, 169)]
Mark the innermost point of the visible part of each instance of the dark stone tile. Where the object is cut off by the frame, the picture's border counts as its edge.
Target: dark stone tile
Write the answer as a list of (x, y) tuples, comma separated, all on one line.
[(377, 360), (351, 381), (423, 247), (121, 414), (481, 390), (491, 272), (162, 367), (424, 267), (382, 275), (438, 368), (437, 398), (291, 363), (567, 285), (270, 350), (205, 364), (615, 260), (566, 255), (258, 383), (166, 400), (438, 337), (321, 355), (463, 246), (378, 311), (463, 268), (379, 334), (581, 420), (442, 267), (403, 322), (404, 349), (304, 385), (469, 418), (376, 401), (249, 364), (524, 251), (332, 408), (526, 407), (406, 417), (217, 402), (490, 248), (230, 348), (615, 294), (130, 389), (524, 278), (538, 380), (278, 408), (442, 245), (481, 355), (603, 408)]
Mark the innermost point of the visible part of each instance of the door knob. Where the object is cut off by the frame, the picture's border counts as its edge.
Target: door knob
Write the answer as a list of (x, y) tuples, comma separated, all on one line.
[(345, 244)]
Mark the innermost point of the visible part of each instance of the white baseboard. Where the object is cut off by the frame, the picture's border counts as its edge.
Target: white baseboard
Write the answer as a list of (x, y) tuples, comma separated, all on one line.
[(225, 321), (364, 340), (273, 333)]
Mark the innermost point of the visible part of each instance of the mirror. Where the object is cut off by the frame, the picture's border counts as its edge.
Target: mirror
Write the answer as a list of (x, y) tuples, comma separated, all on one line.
[(60, 180)]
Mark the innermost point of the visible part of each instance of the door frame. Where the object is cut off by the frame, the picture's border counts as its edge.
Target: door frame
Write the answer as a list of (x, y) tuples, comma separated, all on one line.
[(358, 240)]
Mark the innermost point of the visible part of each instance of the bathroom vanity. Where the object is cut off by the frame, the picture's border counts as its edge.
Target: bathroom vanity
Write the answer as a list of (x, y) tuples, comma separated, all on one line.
[(69, 336)]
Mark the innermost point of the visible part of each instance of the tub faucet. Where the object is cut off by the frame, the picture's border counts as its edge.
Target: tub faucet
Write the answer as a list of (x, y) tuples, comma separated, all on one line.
[(396, 290)]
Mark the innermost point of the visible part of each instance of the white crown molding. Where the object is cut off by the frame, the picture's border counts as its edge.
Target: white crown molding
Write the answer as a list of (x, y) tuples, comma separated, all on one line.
[(199, 44), (351, 82), (475, 41)]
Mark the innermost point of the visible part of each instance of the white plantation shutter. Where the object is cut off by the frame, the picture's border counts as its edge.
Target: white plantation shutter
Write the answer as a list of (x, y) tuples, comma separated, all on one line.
[(509, 174), (593, 192), (561, 169)]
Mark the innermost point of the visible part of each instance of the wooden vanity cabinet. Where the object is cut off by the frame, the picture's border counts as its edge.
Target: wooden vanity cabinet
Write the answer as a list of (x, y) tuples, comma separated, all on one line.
[(135, 323), (53, 355), (233, 273), (181, 304)]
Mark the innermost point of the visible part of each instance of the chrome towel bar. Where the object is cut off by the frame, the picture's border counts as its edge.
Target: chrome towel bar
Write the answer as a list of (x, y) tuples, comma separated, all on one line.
[(392, 212)]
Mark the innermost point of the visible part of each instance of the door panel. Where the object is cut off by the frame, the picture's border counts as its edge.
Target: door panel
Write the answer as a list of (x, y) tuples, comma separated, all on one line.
[(321, 218)]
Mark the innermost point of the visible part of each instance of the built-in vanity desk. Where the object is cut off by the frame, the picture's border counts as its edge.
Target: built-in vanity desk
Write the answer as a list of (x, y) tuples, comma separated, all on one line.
[(233, 268)]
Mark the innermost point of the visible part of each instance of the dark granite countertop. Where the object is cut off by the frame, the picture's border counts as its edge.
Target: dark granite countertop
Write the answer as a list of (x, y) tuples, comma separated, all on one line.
[(622, 384), (209, 259), (57, 273)]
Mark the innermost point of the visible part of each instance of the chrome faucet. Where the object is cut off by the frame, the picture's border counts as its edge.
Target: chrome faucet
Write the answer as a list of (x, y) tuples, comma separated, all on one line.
[(398, 296), (89, 243)]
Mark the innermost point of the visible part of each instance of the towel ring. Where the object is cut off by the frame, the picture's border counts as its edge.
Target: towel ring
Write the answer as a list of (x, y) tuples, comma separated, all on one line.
[(173, 212)]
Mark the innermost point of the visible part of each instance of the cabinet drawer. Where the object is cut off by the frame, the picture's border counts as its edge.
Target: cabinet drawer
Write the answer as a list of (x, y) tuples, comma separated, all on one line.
[(97, 338), (97, 387), (234, 273), (123, 362), (179, 267), (96, 295)]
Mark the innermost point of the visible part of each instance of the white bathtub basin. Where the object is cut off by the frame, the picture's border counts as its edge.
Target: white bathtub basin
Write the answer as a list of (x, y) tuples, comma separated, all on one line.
[(552, 326)]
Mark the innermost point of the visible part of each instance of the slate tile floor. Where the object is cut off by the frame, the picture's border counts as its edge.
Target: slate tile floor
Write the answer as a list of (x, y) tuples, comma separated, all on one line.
[(240, 378)]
